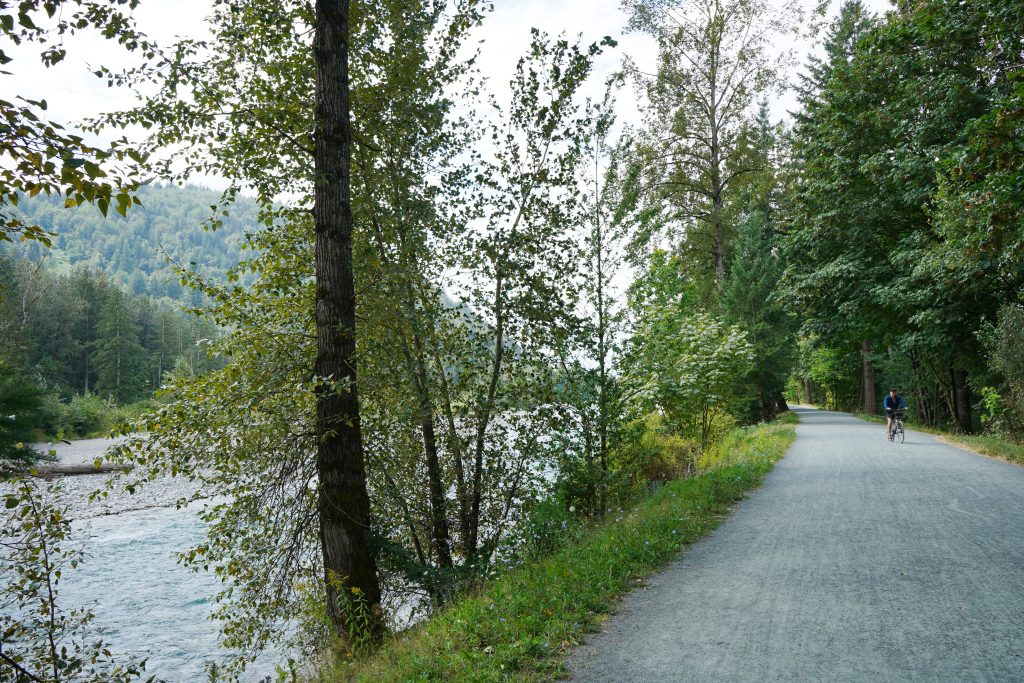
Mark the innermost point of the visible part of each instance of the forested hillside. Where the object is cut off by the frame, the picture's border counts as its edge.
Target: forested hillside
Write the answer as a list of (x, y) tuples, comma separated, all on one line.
[(98, 316), (140, 250)]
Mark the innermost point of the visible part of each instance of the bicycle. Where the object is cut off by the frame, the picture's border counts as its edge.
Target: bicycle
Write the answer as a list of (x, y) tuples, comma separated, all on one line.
[(898, 433)]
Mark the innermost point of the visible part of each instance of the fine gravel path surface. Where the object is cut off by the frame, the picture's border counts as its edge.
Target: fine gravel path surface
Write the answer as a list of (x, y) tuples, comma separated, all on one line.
[(857, 560)]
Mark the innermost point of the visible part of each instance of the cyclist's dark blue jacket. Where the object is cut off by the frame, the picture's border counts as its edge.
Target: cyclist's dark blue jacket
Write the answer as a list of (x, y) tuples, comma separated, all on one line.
[(889, 402)]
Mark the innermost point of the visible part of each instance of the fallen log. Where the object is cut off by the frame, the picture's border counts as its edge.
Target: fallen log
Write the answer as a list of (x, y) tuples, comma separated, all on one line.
[(59, 469)]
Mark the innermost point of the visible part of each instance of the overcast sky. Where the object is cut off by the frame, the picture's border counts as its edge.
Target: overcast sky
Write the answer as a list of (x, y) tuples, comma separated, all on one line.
[(74, 93)]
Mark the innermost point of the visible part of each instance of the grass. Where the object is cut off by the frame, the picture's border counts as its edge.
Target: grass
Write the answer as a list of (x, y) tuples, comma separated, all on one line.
[(985, 444), (522, 625)]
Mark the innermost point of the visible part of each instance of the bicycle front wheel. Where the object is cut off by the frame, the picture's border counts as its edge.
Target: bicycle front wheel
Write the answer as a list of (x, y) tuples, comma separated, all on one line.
[(900, 433)]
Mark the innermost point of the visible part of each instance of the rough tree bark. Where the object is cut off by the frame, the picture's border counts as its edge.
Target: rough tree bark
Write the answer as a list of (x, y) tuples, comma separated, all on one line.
[(344, 502), (868, 378), (963, 401)]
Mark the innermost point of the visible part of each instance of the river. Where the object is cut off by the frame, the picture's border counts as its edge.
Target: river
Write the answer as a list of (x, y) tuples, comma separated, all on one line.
[(146, 603)]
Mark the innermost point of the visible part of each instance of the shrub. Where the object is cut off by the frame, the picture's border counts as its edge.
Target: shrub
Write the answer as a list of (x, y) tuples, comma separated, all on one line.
[(652, 452), (52, 415), (688, 367), (548, 527), (87, 414), (1005, 346), (83, 416)]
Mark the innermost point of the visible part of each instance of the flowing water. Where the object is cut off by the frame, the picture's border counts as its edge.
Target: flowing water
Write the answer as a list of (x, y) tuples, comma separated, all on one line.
[(147, 604)]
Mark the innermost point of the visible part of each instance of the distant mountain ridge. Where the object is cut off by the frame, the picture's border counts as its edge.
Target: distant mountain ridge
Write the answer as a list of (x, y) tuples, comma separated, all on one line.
[(134, 250)]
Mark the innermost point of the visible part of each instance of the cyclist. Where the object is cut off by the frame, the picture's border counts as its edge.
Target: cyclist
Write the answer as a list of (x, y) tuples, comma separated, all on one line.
[(893, 402)]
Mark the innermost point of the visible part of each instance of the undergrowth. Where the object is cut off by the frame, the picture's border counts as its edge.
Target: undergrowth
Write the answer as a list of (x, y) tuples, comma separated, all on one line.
[(521, 626)]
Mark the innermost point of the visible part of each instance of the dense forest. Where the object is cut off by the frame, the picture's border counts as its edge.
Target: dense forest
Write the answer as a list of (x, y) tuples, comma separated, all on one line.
[(904, 214), (432, 367), (88, 347), (96, 321)]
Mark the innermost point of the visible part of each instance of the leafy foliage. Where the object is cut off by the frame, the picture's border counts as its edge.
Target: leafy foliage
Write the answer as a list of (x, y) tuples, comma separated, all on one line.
[(41, 155), (1005, 346), (889, 245), (505, 395), (688, 366), (714, 62), (524, 622), (454, 398)]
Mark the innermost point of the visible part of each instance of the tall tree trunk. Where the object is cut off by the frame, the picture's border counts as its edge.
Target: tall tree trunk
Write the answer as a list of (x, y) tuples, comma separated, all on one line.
[(949, 393), (868, 378), (602, 343), (963, 401), (416, 364), (160, 354), (923, 410), (344, 503), (457, 447), (717, 184), (440, 535), (484, 415)]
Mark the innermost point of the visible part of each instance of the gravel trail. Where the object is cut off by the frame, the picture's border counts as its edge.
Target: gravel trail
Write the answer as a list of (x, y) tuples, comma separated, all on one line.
[(857, 560)]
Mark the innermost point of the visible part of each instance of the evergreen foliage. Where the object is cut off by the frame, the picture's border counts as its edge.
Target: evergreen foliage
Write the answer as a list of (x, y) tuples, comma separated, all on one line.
[(20, 408), (750, 299), (78, 334)]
